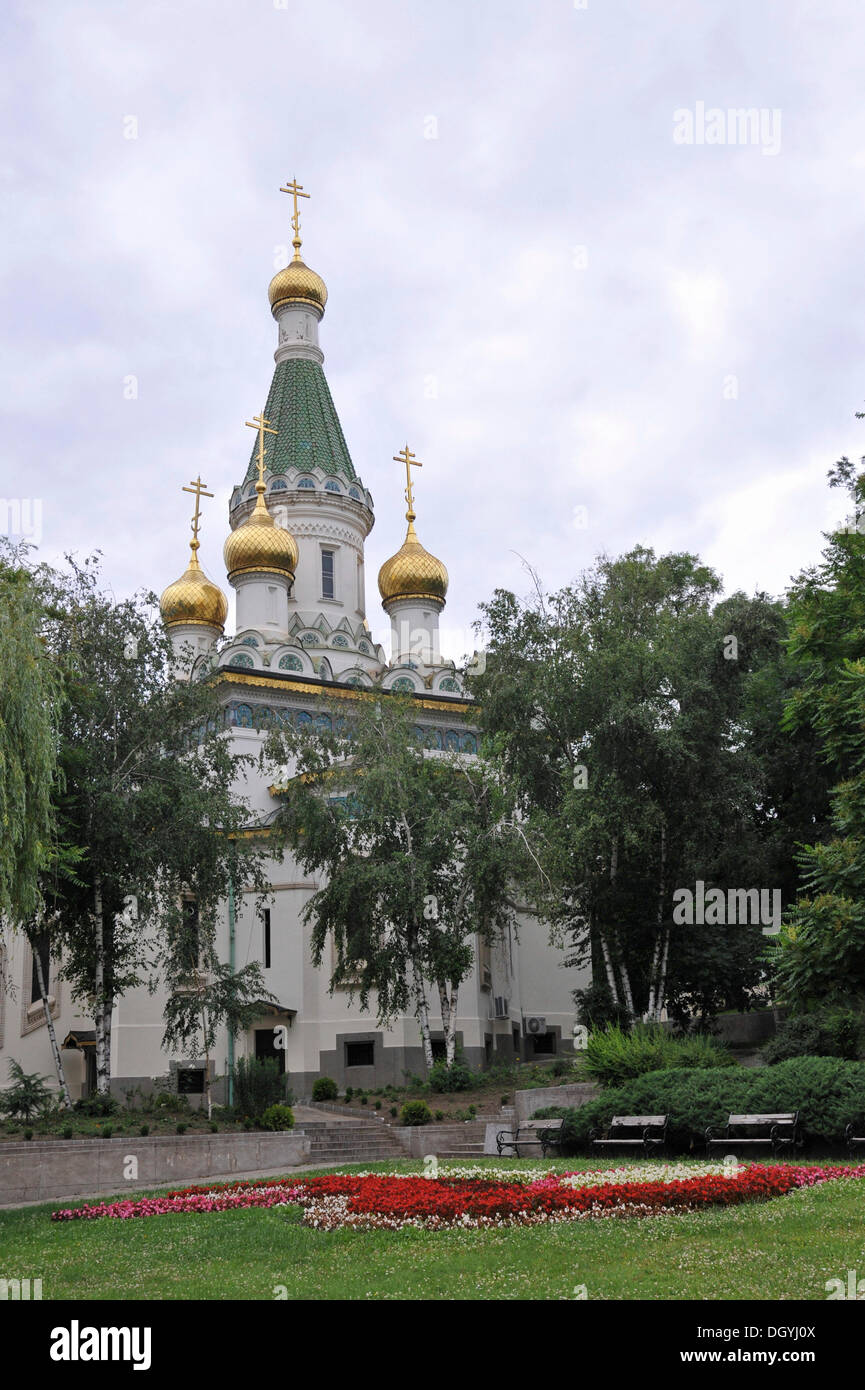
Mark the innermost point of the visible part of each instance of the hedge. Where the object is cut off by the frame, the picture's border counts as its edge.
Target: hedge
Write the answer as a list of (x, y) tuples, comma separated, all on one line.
[(828, 1092)]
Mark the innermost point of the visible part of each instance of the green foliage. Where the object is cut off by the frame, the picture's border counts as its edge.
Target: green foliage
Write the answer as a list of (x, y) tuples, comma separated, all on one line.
[(107, 1131), (456, 1077), (28, 1134), (67, 1131), (415, 1112), (30, 698), (551, 1112), (828, 1092), (439, 1114), (349, 1092), (394, 1112), (823, 1033), (278, 1117), (614, 1056), (598, 703), (258, 1084), (97, 1107), (181, 1128), (324, 1088), (28, 1096), (144, 1130), (819, 956)]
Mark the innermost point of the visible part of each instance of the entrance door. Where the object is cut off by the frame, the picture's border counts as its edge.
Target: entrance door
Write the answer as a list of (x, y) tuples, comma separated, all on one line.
[(265, 1046)]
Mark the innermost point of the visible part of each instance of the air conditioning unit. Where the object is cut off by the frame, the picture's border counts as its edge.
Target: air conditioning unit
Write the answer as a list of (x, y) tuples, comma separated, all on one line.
[(535, 1027), (502, 1006)]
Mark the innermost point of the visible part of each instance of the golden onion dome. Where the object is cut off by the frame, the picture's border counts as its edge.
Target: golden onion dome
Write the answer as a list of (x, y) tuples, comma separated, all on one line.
[(193, 600), (259, 545), (297, 284), (413, 573)]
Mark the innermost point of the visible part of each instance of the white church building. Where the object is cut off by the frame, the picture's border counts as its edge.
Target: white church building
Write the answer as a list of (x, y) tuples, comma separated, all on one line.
[(295, 558)]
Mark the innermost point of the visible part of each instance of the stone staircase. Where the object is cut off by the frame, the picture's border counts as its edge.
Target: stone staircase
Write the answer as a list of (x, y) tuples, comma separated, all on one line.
[(465, 1140), (350, 1141)]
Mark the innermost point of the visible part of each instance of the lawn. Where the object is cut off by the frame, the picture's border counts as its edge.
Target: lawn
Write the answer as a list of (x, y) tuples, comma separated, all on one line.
[(783, 1249)]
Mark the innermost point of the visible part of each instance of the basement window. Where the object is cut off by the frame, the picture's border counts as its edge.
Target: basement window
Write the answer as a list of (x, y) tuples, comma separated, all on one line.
[(360, 1054)]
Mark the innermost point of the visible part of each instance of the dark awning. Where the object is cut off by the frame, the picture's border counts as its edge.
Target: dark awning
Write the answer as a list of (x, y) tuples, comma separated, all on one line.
[(84, 1037)]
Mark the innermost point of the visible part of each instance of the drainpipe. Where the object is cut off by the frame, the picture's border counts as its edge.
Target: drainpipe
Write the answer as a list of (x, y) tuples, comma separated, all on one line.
[(231, 923)]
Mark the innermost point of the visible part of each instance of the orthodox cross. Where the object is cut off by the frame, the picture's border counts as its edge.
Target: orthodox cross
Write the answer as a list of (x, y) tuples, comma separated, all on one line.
[(198, 488), (407, 457), (296, 191), (263, 426)]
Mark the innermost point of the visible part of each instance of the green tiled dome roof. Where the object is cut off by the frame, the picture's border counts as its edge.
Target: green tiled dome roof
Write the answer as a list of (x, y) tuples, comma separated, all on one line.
[(309, 435)]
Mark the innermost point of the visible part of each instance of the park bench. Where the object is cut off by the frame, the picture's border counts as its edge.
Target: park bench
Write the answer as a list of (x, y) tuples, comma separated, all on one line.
[(531, 1134), (779, 1132), (646, 1132), (854, 1136)]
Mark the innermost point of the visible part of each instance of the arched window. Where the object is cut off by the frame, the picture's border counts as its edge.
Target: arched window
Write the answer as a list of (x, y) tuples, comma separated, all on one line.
[(449, 684), (241, 659), (306, 482), (331, 486), (290, 663), (403, 683), (278, 484)]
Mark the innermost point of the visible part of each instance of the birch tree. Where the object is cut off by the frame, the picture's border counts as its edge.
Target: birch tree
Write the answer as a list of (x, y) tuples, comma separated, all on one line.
[(415, 849), (623, 730)]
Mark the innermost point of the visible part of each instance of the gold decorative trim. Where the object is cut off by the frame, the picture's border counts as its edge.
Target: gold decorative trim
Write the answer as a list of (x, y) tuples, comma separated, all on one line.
[(348, 693)]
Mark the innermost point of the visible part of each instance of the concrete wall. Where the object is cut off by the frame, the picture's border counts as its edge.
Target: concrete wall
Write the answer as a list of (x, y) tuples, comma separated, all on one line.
[(527, 1102), (32, 1172)]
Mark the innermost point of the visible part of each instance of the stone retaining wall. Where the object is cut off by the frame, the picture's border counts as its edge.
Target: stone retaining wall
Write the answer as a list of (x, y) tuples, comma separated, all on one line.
[(32, 1172)]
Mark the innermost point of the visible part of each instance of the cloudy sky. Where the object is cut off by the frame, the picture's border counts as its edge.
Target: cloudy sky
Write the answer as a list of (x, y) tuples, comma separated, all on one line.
[(599, 310)]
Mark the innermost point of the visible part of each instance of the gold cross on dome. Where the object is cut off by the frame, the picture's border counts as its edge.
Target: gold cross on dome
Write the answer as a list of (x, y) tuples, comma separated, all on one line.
[(407, 457), (263, 426), (296, 191), (198, 488)]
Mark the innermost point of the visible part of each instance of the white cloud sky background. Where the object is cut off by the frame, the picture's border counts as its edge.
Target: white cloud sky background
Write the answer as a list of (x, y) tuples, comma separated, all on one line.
[(451, 259)]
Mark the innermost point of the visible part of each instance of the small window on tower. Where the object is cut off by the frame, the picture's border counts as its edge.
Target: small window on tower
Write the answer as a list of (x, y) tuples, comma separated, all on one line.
[(327, 574)]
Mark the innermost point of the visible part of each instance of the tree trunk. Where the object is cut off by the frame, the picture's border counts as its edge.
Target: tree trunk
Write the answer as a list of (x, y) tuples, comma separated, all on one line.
[(103, 1028), (658, 974), (58, 1060), (207, 1089), (422, 1016), (608, 967), (449, 1019)]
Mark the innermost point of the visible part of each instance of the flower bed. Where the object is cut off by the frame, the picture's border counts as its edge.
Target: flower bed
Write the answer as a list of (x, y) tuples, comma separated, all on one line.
[(483, 1197)]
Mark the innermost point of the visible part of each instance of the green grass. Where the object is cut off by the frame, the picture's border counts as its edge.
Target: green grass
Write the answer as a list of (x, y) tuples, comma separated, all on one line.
[(784, 1249)]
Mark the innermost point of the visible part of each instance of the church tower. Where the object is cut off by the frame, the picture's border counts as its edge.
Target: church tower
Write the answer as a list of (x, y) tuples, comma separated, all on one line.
[(413, 585), (193, 608), (316, 623)]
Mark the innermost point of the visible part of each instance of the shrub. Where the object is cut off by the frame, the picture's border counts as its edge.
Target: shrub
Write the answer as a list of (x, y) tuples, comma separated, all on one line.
[(505, 1100), (258, 1083), (97, 1107), (596, 1008), (325, 1088), (107, 1132), (562, 1066), (214, 1127), (144, 1130), (181, 1128), (456, 1077), (415, 1112), (440, 1114), (614, 1056), (28, 1096), (364, 1100), (824, 1033), (28, 1134), (378, 1105), (551, 1112), (66, 1132), (349, 1092), (394, 1112), (278, 1117), (828, 1092)]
